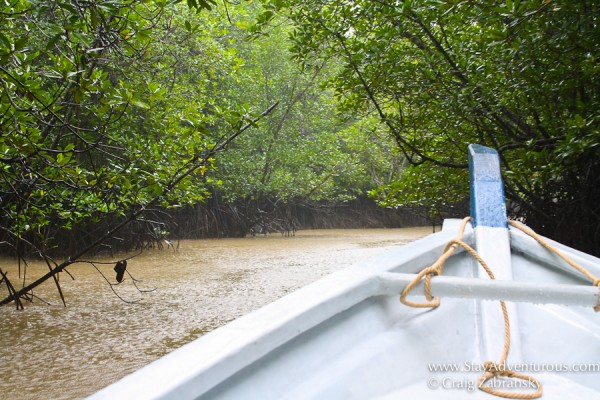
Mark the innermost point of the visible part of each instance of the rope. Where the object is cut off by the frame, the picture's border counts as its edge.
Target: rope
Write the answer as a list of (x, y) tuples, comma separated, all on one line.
[(435, 269), (540, 240), (492, 369)]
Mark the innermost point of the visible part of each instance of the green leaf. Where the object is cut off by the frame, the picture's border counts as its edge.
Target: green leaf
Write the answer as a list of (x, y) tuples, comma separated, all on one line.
[(6, 41), (140, 104), (67, 6), (53, 40)]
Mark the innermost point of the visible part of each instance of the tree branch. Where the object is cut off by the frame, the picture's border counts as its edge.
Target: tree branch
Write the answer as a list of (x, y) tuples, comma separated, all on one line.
[(189, 167)]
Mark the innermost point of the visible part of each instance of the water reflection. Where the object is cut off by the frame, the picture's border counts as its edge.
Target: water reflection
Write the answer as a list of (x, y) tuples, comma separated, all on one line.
[(51, 351)]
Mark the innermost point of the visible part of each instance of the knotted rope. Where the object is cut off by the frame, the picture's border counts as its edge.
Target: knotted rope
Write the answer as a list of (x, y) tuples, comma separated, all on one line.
[(435, 269), (492, 369)]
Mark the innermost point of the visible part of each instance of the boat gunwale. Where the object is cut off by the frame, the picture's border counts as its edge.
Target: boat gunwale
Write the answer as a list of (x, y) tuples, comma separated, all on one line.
[(521, 243)]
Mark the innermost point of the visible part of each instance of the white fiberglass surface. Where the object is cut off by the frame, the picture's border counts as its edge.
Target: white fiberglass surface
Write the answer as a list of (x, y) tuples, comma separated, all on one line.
[(369, 350)]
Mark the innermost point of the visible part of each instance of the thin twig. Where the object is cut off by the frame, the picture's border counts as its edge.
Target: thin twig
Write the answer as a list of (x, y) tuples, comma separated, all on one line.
[(136, 286), (112, 285)]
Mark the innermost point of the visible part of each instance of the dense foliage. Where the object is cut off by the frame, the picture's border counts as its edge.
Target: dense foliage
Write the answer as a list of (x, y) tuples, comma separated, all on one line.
[(115, 113), (519, 76), (87, 113), (307, 153), (108, 110)]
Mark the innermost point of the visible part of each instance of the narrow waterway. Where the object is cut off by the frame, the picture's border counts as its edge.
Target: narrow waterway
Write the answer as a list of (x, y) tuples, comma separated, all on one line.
[(57, 352)]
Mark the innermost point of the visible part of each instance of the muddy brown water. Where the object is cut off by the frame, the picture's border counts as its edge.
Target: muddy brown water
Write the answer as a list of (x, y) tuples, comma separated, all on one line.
[(57, 352)]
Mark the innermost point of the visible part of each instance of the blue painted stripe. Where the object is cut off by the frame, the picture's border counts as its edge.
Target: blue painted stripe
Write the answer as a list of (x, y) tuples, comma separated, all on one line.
[(488, 206)]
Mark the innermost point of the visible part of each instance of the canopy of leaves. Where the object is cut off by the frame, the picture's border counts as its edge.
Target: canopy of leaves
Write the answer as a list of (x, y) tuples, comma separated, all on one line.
[(519, 76), (93, 93), (307, 150)]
